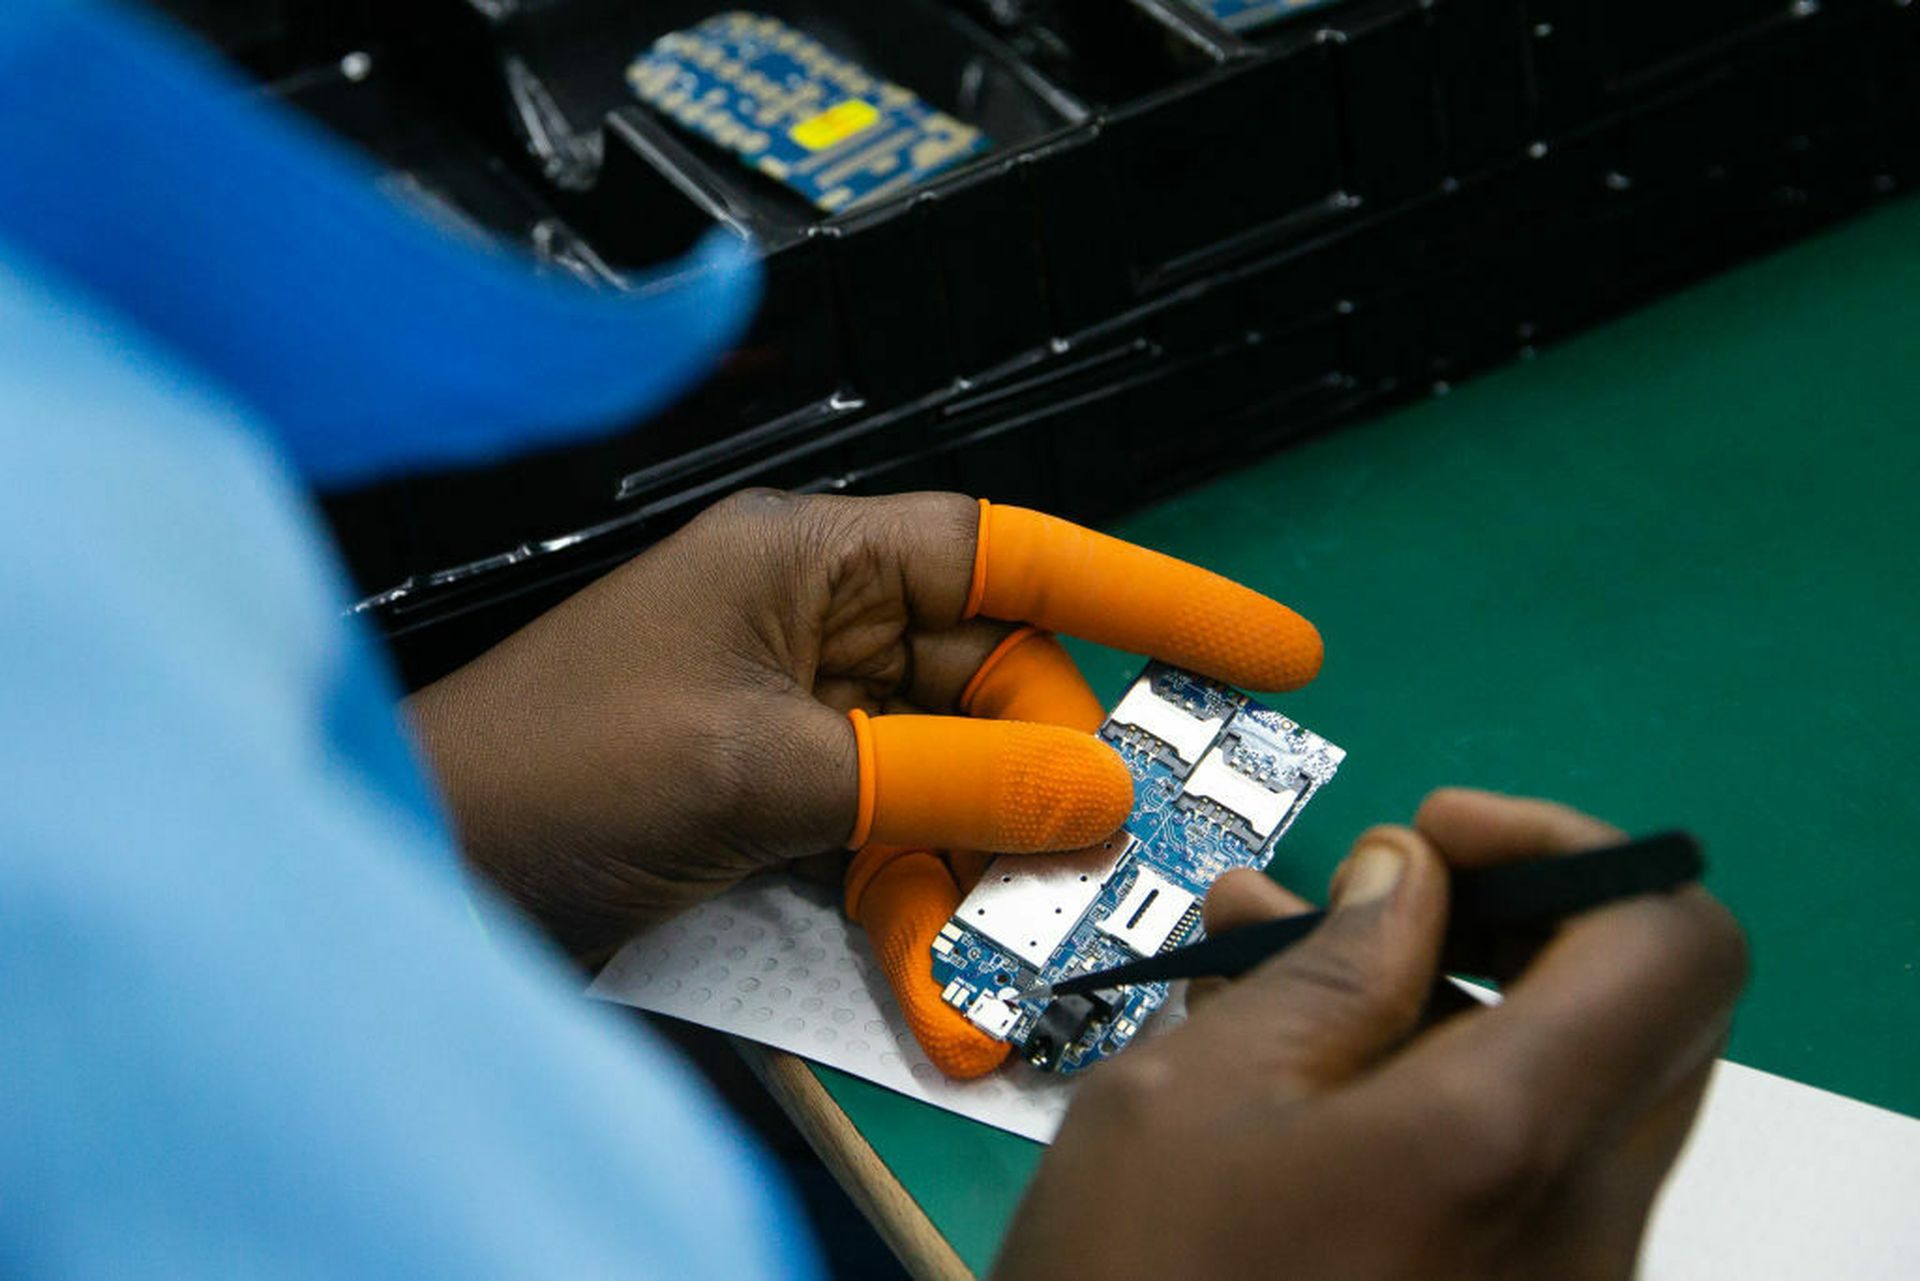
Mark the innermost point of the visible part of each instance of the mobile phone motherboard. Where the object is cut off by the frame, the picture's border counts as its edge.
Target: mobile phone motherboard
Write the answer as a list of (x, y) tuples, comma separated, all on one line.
[(1218, 779)]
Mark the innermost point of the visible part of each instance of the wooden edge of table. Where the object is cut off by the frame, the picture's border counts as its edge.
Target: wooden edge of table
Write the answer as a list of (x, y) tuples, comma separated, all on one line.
[(898, 1218)]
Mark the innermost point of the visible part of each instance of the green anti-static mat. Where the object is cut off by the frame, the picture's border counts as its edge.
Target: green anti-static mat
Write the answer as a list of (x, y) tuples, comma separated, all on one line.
[(1668, 572)]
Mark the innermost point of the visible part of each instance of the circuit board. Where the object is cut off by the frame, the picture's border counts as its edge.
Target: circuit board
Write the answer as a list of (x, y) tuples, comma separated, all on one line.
[(789, 107), (1249, 15), (1218, 779)]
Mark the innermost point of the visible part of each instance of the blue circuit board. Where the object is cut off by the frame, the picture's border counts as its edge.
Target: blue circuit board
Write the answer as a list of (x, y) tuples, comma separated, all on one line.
[(798, 113), (1247, 15), (1218, 779)]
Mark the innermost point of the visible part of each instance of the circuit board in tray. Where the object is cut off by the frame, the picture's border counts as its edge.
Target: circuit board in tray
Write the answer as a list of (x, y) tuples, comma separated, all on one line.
[(1218, 778), (787, 105), (1251, 15)]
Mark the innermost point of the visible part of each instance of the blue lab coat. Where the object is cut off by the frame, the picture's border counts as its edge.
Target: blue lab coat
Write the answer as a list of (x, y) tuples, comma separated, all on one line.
[(255, 1020)]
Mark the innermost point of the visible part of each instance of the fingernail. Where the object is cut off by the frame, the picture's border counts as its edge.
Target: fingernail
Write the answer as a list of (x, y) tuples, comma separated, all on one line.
[(1370, 875)]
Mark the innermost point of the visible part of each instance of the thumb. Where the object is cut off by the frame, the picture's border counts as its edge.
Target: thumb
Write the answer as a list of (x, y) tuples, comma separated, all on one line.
[(954, 782), (1355, 989)]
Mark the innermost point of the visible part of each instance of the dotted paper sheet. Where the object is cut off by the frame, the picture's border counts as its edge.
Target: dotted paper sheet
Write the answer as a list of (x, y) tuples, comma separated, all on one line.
[(1779, 1179), (774, 961)]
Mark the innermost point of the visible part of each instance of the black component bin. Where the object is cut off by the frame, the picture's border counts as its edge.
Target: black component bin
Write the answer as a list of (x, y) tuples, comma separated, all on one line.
[(1186, 248)]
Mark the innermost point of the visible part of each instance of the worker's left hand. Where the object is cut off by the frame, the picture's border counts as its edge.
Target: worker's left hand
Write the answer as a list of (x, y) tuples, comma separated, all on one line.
[(777, 680)]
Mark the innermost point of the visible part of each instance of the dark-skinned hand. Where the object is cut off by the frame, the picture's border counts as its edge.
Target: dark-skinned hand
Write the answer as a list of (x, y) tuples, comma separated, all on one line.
[(1305, 1123), (782, 677)]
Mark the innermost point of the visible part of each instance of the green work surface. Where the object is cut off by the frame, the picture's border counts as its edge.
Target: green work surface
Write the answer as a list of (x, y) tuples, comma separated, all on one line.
[(1668, 572)]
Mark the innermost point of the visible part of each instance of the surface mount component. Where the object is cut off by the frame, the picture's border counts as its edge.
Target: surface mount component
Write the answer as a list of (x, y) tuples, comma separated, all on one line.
[(1062, 1023), (1149, 912), (1218, 779), (1029, 911)]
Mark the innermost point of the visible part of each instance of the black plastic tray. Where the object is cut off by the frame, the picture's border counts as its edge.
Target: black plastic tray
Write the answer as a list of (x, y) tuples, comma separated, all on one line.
[(1187, 248)]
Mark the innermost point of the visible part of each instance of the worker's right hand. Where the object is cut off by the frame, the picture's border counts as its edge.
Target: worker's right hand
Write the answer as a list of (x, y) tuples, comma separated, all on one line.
[(1303, 1123)]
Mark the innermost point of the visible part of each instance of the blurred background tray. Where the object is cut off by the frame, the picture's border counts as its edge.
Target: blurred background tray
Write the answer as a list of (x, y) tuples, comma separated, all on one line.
[(1187, 246)]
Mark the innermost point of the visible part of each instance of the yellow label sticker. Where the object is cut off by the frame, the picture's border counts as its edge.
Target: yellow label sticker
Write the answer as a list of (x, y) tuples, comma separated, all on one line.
[(835, 125)]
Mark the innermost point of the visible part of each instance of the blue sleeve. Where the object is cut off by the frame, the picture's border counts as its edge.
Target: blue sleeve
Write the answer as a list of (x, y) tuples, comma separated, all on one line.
[(364, 337), (248, 1026)]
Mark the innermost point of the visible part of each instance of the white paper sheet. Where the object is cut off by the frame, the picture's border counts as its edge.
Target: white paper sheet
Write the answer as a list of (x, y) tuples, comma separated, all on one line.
[(775, 961), (1779, 1179), (1783, 1180)]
